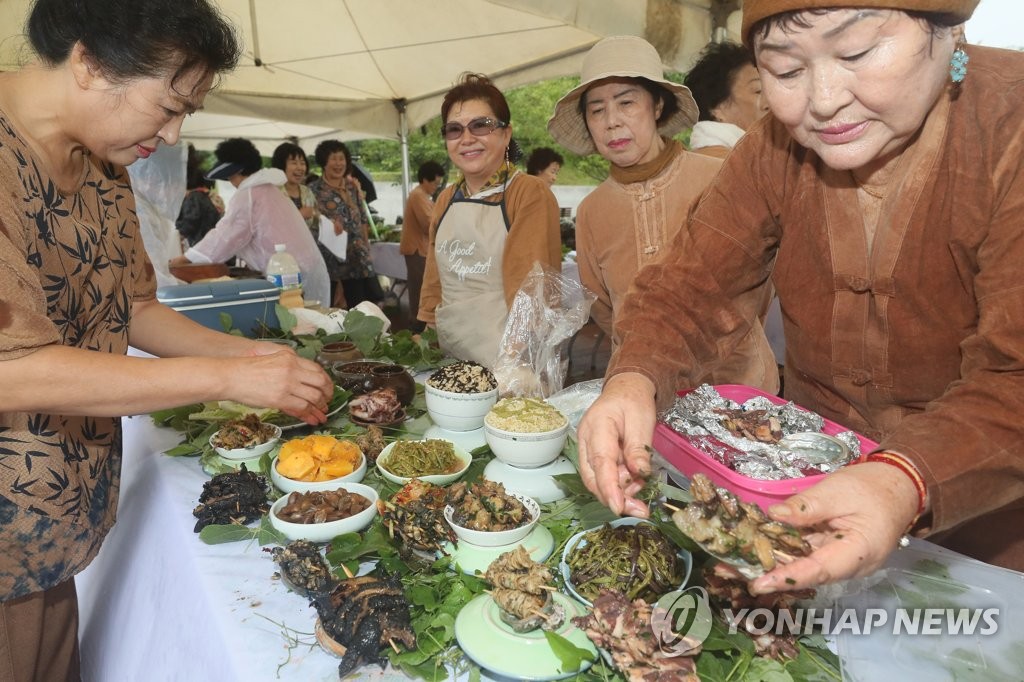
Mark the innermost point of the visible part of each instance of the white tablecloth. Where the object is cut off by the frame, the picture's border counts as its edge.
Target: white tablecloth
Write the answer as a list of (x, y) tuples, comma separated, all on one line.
[(388, 260), (159, 604)]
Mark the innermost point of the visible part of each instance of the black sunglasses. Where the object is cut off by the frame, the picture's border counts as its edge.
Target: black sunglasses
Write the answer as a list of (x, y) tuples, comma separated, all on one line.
[(478, 127)]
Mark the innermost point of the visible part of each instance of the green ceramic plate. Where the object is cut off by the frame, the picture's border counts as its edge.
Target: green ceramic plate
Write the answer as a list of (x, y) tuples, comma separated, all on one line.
[(472, 558), (495, 646)]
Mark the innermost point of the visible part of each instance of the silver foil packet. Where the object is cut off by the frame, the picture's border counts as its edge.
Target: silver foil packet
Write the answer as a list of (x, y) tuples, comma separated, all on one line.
[(793, 445)]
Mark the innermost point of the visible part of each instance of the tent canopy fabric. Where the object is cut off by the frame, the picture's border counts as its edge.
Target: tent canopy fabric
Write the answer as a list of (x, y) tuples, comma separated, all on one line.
[(350, 69)]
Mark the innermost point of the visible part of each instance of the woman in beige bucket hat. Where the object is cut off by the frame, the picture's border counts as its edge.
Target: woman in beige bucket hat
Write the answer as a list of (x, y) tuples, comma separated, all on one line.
[(883, 197), (626, 110)]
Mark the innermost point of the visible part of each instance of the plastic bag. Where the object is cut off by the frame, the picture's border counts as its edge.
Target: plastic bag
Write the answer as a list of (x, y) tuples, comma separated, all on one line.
[(573, 401), (159, 187), (533, 355)]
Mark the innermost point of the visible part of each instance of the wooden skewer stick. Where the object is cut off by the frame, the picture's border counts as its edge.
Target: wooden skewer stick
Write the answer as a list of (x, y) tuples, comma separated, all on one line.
[(548, 587), (783, 557), (670, 507), (393, 645), (538, 614), (348, 573)]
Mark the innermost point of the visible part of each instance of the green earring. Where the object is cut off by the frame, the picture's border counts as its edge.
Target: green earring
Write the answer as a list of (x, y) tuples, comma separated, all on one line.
[(958, 65)]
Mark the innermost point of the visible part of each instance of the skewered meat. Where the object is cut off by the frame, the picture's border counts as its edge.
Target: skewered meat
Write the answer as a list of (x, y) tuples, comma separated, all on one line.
[(365, 615), (235, 497), (380, 407), (415, 514), (522, 592), (303, 568), (623, 628)]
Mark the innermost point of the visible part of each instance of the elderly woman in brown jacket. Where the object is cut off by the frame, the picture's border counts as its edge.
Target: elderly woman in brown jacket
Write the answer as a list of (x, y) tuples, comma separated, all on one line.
[(883, 195)]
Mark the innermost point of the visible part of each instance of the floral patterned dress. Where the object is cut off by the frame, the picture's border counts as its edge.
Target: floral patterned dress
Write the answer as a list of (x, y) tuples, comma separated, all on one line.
[(347, 206), (71, 266)]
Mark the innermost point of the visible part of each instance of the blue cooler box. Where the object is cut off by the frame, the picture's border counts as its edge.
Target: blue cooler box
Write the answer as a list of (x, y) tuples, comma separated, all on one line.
[(247, 301)]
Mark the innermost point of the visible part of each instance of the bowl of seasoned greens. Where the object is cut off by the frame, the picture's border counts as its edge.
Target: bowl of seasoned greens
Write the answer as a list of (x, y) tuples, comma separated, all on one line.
[(629, 555), (433, 460)]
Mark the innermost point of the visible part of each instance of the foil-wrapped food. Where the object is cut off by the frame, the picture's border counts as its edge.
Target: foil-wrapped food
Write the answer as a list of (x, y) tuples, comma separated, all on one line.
[(759, 438)]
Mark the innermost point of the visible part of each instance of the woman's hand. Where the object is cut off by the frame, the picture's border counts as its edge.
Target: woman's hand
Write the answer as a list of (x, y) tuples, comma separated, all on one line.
[(307, 212), (272, 376), (862, 511), (613, 438), (178, 260), (338, 227)]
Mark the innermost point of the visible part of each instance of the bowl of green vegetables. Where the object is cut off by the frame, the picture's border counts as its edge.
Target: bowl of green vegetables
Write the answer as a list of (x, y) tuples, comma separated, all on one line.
[(434, 460), (629, 555)]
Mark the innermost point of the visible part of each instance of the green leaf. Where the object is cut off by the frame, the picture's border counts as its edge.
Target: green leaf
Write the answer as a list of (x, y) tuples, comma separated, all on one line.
[(286, 320), (225, 322), (766, 670), (363, 330), (570, 655), (218, 534)]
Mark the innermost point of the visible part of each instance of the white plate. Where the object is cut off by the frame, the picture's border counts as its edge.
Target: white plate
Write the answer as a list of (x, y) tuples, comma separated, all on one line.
[(536, 483)]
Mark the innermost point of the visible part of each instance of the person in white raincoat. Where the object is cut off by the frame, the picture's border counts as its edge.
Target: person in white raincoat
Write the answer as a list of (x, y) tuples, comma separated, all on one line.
[(257, 217)]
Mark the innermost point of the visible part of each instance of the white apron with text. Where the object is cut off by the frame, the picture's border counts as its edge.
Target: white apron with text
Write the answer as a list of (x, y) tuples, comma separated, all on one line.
[(469, 245)]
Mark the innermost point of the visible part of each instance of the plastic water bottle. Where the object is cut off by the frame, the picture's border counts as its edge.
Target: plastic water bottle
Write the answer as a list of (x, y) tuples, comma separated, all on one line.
[(284, 272)]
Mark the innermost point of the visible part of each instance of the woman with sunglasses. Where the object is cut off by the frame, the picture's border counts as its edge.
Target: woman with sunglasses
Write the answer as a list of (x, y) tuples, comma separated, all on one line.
[(626, 110), (489, 227)]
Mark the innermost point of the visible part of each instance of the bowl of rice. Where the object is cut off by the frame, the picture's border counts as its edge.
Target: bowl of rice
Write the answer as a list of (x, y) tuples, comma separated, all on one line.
[(525, 432), (434, 460), (459, 395)]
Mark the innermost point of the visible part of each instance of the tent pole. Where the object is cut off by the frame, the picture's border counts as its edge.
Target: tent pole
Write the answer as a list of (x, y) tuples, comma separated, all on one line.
[(403, 136)]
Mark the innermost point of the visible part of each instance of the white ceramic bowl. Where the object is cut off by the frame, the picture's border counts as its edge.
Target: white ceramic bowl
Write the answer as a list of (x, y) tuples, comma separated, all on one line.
[(571, 544), (436, 479), (238, 454), (325, 532), (526, 450), (483, 538), (459, 411), (290, 485)]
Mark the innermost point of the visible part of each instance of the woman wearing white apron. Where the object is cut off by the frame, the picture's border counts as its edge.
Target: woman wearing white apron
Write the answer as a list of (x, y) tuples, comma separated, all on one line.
[(493, 224)]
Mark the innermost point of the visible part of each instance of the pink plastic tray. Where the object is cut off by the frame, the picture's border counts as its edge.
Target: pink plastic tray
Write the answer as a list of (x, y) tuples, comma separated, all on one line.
[(682, 454)]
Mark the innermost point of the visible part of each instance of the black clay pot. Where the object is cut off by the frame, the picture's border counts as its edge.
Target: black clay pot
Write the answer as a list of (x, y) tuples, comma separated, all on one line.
[(396, 378)]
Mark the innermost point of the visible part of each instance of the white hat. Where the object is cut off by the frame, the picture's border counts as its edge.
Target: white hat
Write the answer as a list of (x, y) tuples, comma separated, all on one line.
[(617, 57)]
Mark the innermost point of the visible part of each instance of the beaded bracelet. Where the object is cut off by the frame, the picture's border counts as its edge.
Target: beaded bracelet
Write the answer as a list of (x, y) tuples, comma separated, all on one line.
[(904, 465)]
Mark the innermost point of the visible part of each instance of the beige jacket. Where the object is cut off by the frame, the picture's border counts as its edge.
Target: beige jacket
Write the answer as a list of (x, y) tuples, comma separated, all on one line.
[(621, 228)]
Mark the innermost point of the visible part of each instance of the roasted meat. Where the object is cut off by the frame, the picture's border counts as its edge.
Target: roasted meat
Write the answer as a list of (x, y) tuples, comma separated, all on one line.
[(623, 628), (729, 592), (415, 515), (379, 407), (303, 568), (235, 497), (735, 530), (485, 506), (522, 592), (756, 425), (365, 615)]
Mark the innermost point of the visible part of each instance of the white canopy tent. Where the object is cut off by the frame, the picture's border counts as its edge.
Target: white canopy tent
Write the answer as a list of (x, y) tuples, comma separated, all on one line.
[(354, 69)]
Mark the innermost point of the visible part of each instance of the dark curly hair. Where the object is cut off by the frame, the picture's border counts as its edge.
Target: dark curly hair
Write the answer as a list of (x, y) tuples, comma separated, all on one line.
[(132, 39), (324, 150), (712, 78), (242, 151), (541, 158)]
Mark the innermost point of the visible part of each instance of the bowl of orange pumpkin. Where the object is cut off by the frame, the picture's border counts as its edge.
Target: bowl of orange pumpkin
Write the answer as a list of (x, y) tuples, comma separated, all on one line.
[(317, 463)]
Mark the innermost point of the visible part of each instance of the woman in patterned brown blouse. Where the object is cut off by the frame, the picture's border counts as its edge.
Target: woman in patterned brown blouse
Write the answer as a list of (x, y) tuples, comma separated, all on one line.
[(112, 80)]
